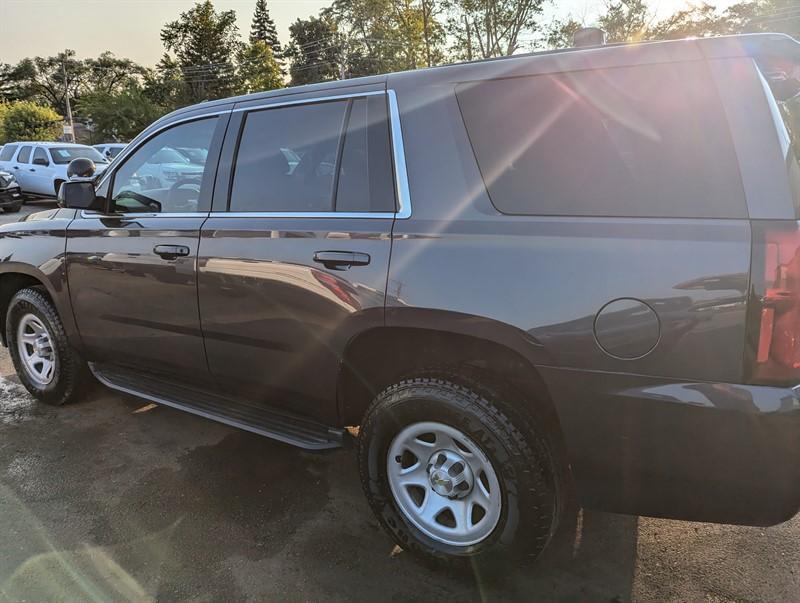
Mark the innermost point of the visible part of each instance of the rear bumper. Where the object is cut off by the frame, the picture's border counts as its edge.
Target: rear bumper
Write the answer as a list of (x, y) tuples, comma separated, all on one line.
[(715, 452), (10, 196)]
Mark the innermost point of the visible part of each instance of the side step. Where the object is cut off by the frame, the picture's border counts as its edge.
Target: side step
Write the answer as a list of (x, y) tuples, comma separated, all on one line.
[(264, 421)]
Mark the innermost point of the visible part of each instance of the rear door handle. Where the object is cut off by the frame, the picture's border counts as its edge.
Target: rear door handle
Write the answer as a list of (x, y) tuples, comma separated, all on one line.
[(341, 260), (170, 252)]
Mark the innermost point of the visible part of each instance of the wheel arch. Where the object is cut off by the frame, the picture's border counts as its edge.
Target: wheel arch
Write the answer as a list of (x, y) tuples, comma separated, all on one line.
[(379, 357), (19, 278)]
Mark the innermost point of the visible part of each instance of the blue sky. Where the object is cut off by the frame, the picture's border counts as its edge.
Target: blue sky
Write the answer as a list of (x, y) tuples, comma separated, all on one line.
[(130, 28)]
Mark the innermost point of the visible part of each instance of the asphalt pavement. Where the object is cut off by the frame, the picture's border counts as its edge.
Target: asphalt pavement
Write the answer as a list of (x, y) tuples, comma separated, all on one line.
[(113, 499)]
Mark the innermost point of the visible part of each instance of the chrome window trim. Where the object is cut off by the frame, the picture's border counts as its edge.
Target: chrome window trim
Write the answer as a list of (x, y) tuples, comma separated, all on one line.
[(87, 213), (402, 190), (383, 215)]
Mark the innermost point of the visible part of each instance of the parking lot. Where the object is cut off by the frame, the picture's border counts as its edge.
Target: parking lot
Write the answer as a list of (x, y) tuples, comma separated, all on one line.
[(115, 499)]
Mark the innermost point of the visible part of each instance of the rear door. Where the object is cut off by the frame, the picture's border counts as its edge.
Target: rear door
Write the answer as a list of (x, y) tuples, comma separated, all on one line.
[(293, 260), (132, 270), (41, 172), (20, 168)]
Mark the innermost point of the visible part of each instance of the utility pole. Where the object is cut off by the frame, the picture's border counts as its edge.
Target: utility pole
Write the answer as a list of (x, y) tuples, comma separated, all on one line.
[(66, 98)]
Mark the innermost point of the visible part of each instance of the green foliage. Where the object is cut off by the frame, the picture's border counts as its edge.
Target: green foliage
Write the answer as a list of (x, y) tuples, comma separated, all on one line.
[(119, 116), (205, 43), (315, 51), (25, 120), (263, 29), (490, 28), (258, 69)]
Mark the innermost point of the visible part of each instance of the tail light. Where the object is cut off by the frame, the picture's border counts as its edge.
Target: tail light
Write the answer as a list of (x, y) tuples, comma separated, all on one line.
[(776, 300)]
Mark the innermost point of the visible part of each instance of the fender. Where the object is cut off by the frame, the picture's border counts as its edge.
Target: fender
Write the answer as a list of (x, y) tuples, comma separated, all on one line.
[(35, 247)]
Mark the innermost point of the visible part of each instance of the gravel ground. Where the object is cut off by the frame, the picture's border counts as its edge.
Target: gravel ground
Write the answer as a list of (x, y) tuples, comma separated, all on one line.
[(113, 499)]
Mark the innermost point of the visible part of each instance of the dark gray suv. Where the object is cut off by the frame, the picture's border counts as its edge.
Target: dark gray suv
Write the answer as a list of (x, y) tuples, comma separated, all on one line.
[(552, 274)]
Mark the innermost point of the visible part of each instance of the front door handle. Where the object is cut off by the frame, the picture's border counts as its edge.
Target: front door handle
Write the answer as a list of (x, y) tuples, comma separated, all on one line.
[(341, 260), (32, 170), (171, 252)]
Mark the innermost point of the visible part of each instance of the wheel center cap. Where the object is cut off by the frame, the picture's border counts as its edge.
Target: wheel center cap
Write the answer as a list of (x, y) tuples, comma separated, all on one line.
[(441, 483), (449, 474)]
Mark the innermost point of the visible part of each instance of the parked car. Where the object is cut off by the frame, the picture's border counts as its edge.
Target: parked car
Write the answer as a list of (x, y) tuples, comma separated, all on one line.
[(41, 167), (109, 150), (10, 194), (522, 279)]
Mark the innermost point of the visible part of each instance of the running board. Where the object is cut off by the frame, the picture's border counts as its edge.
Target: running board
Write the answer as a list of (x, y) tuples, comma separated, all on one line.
[(268, 422)]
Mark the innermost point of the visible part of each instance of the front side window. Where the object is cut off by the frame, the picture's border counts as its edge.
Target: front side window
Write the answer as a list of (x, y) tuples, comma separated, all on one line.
[(158, 179), (24, 155), (8, 152), (639, 141), (321, 157)]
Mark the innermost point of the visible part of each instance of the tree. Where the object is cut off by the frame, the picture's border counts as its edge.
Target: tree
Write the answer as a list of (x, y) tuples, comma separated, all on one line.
[(205, 44), (626, 21), (560, 33), (258, 69), (119, 116), (316, 51), (263, 29), (107, 73), (25, 120), (490, 28)]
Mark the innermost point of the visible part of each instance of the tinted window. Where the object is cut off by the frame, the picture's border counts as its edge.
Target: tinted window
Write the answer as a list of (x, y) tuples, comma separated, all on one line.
[(287, 159), (8, 152), (648, 140), (62, 155), (365, 177), (145, 183), (24, 155), (40, 153)]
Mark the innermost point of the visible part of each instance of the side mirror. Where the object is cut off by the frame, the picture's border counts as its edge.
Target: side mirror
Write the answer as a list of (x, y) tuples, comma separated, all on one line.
[(78, 194), (40, 161)]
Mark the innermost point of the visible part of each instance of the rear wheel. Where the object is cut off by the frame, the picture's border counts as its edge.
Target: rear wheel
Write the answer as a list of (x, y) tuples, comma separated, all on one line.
[(456, 476), (57, 186), (46, 364), (12, 209)]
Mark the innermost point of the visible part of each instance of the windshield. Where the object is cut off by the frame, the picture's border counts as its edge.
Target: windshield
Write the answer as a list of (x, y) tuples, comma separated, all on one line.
[(63, 155)]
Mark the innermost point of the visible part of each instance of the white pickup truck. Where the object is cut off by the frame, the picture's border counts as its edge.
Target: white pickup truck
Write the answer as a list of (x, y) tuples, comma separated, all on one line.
[(41, 167)]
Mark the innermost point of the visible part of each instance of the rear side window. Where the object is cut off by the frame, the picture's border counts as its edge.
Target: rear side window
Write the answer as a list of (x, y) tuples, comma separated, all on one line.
[(24, 155), (8, 152), (40, 154), (320, 157), (641, 141)]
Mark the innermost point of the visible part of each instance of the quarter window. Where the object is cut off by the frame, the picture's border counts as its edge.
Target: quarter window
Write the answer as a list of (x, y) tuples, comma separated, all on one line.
[(318, 157), (156, 178), (24, 155), (641, 141)]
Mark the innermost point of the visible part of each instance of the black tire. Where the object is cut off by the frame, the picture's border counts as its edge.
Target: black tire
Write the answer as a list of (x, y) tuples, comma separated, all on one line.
[(532, 494), (57, 186), (70, 371), (12, 209)]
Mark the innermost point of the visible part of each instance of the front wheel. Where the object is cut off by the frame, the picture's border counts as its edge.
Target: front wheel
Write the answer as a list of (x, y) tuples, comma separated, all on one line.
[(458, 476), (12, 209), (45, 363)]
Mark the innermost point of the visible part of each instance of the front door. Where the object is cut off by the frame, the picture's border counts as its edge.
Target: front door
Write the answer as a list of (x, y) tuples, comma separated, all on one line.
[(294, 263), (132, 271)]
